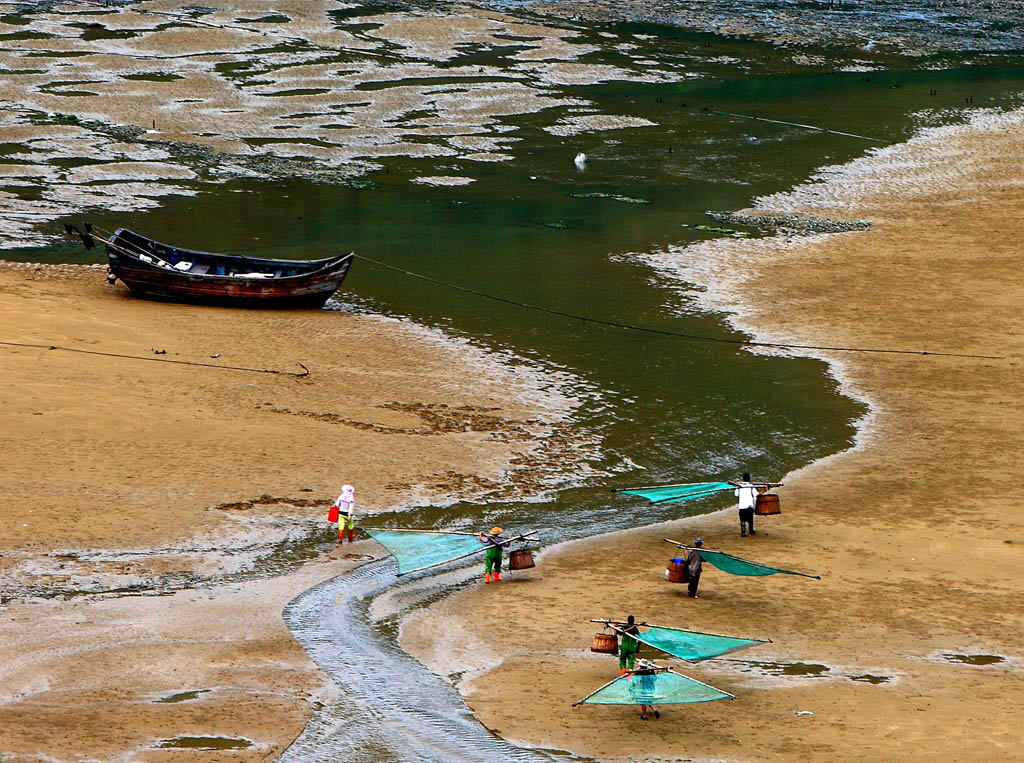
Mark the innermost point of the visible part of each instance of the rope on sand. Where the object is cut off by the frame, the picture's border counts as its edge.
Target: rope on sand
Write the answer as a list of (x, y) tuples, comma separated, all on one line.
[(296, 374)]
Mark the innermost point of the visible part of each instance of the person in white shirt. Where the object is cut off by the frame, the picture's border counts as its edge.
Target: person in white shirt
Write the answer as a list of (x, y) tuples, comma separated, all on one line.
[(346, 514), (747, 495)]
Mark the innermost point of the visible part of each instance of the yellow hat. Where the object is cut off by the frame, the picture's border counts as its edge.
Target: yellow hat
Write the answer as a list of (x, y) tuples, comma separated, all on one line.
[(495, 530)]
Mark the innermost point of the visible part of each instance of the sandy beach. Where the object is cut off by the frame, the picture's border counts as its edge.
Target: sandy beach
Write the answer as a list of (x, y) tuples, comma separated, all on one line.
[(136, 485), (916, 531)]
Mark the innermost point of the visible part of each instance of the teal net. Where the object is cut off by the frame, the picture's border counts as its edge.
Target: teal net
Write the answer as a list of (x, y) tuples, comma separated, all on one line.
[(665, 493), (665, 688), (736, 566), (418, 549), (693, 645)]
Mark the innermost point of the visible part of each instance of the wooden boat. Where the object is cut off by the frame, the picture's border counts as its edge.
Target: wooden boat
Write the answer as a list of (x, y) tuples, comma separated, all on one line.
[(152, 270)]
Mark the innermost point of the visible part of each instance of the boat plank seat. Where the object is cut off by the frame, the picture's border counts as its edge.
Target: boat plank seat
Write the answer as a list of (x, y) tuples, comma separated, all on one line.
[(199, 269)]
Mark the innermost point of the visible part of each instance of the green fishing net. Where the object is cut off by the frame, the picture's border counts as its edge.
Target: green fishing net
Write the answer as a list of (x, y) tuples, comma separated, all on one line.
[(418, 549), (736, 566), (664, 493), (693, 645), (664, 688)]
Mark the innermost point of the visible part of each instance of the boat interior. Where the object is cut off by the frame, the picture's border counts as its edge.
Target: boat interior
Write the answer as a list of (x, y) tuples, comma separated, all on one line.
[(208, 263)]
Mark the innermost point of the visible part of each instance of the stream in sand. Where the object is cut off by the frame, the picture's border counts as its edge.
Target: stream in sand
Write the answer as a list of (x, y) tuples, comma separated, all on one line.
[(456, 159)]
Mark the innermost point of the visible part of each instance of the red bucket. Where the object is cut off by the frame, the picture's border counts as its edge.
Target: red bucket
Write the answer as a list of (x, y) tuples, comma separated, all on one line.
[(332, 514)]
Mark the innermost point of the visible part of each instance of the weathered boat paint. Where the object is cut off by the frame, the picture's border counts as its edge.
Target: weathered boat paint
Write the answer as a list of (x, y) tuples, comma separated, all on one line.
[(292, 283)]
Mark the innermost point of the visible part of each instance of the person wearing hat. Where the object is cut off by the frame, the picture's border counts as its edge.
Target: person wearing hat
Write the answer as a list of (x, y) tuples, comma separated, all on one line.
[(694, 563), (346, 514), (492, 560), (629, 646), (644, 687)]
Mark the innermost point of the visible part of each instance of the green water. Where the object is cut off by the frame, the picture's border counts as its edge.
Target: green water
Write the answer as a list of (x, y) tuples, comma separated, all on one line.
[(204, 743), (537, 230), (975, 659), (184, 696)]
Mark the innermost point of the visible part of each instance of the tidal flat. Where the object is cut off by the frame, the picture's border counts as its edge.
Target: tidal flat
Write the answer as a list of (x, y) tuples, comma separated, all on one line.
[(440, 140)]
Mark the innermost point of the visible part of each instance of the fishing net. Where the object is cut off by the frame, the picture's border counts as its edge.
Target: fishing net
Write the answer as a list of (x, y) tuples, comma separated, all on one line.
[(736, 566), (418, 549), (693, 645), (664, 493), (663, 688)]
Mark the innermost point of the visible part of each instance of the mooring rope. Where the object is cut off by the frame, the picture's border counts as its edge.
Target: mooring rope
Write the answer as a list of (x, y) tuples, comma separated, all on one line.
[(665, 332), (297, 374), (806, 127), (647, 329)]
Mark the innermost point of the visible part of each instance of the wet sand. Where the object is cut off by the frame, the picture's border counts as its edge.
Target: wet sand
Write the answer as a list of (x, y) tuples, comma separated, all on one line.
[(916, 531), (912, 26), (174, 488)]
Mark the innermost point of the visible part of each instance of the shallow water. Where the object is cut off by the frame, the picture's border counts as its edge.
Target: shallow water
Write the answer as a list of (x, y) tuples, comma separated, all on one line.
[(808, 670), (204, 743), (975, 659), (392, 708), (184, 696)]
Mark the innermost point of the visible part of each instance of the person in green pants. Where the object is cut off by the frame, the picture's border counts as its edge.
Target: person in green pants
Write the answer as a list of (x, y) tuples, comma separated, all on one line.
[(494, 543), (628, 647)]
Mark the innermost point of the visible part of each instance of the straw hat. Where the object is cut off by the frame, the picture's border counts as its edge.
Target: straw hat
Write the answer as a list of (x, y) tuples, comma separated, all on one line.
[(495, 530)]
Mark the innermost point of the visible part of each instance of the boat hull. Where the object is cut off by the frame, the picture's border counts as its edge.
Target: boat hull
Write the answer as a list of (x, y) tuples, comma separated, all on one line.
[(148, 280), (207, 291)]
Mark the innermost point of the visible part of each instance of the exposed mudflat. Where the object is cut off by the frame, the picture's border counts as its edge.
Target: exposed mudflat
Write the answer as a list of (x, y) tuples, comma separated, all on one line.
[(917, 27)]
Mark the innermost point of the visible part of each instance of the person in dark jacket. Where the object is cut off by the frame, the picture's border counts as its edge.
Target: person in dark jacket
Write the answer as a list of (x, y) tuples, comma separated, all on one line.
[(694, 563)]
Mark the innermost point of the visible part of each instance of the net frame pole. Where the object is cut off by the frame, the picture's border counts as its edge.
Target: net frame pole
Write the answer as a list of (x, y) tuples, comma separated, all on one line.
[(414, 530), (599, 688), (640, 637), (690, 678), (613, 623), (691, 484), (656, 669)]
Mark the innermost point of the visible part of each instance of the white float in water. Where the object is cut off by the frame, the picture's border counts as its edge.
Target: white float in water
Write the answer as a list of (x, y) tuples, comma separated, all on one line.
[(580, 161)]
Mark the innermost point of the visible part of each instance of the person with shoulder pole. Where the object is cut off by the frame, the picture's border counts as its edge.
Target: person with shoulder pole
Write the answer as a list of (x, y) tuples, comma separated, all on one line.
[(629, 646), (492, 560), (747, 495), (694, 563)]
